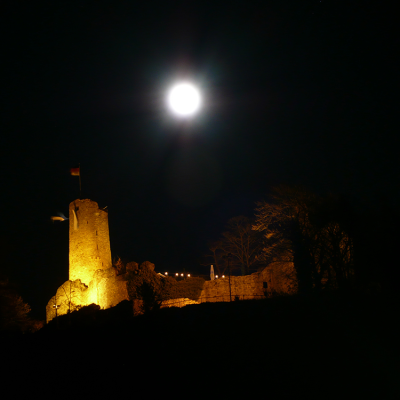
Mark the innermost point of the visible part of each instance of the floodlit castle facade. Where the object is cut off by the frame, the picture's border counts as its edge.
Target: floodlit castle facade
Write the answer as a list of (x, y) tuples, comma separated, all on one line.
[(89, 240), (93, 279)]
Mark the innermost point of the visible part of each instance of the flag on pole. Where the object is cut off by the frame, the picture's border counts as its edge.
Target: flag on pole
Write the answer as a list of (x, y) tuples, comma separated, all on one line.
[(75, 171), (212, 273)]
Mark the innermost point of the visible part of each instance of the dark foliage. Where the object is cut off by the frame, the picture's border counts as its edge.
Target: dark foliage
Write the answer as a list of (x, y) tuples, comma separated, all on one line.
[(141, 281), (151, 297), (84, 316), (14, 318), (119, 265), (377, 238), (145, 284), (346, 337), (314, 232)]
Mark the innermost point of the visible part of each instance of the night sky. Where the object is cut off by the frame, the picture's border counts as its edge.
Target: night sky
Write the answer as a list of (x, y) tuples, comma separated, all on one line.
[(295, 92)]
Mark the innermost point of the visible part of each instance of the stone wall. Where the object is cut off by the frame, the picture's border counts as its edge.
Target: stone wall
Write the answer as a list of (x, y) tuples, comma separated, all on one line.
[(69, 296), (89, 241), (277, 278), (105, 289), (91, 276), (281, 278), (108, 289), (178, 302), (243, 287)]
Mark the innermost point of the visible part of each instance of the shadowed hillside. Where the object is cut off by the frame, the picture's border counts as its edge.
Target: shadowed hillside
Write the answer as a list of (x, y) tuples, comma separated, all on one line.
[(333, 342)]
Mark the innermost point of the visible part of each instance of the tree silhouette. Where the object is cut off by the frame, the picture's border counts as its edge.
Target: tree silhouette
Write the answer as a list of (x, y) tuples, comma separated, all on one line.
[(242, 242), (13, 311), (310, 231), (71, 295), (151, 297)]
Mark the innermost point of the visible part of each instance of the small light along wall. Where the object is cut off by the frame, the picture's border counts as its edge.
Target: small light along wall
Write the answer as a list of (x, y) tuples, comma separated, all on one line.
[(184, 275), (178, 275)]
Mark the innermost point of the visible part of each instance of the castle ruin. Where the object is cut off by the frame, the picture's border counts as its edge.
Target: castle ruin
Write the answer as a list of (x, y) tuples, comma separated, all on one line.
[(93, 279), (89, 240)]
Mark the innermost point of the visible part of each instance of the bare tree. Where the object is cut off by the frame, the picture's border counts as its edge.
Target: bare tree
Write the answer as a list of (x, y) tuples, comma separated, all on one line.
[(242, 242), (71, 295), (307, 229)]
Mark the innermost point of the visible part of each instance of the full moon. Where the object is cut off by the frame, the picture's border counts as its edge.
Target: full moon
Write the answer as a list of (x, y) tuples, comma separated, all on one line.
[(184, 99)]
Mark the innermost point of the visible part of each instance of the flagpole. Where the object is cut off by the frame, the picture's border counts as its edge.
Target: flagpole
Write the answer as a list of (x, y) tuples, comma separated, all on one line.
[(80, 185)]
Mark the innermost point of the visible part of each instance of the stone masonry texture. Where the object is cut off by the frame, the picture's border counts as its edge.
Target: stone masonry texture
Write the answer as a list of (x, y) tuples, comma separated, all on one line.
[(89, 240), (276, 278), (92, 278)]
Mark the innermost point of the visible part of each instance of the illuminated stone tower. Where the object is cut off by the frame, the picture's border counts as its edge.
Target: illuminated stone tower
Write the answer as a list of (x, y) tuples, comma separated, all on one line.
[(89, 240)]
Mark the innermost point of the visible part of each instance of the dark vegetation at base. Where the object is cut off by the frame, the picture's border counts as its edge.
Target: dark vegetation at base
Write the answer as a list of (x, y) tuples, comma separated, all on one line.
[(331, 342), (143, 280), (14, 312)]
